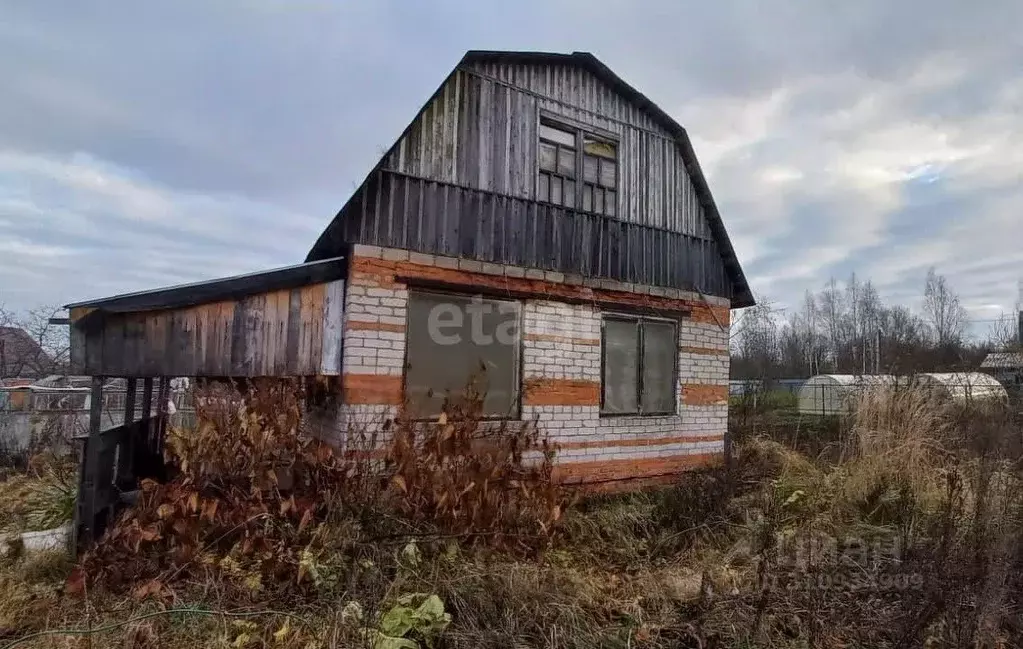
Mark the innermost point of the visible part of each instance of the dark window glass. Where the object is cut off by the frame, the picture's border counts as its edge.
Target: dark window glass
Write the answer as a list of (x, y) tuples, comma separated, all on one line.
[(608, 170), (566, 162), (621, 366), (639, 359), (556, 190), (548, 157), (596, 167), (660, 348), (453, 340)]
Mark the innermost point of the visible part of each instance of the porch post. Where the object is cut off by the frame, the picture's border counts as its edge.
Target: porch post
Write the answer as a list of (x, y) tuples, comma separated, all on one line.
[(88, 487)]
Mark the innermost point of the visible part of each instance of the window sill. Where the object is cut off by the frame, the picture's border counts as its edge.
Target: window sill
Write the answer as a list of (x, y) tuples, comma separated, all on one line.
[(637, 415)]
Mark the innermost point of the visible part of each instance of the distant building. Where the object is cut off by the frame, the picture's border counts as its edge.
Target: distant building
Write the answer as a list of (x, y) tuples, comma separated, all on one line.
[(21, 356), (1006, 367)]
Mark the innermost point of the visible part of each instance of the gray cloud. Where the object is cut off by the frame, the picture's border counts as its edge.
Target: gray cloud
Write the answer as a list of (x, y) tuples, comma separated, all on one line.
[(142, 145)]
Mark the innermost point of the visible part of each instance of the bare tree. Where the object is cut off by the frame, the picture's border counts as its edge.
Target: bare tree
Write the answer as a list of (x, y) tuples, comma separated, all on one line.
[(943, 310)]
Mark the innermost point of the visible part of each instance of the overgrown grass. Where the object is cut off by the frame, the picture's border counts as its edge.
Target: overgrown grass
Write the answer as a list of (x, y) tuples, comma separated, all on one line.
[(39, 497), (907, 535)]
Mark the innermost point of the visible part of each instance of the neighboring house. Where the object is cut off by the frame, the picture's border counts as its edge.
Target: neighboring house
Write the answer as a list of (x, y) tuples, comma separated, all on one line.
[(21, 356), (1005, 366), (538, 218)]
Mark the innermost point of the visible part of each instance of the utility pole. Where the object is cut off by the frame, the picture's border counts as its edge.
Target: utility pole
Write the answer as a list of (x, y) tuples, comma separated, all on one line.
[(1019, 320), (877, 351)]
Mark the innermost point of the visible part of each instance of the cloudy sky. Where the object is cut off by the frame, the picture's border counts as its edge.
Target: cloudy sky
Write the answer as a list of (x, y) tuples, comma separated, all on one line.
[(144, 144)]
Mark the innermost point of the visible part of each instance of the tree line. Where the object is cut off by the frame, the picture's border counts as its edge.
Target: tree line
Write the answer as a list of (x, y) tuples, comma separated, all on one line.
[(846, 328)]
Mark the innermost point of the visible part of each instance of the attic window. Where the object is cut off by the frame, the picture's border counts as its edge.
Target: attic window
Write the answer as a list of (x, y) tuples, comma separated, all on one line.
[(577, 169)]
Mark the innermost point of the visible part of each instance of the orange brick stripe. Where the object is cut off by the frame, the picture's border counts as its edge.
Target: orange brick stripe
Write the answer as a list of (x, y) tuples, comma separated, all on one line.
[(372, 389), (653, 441), (370, 271), (357, 325), (627, 470), (704, 395), (565, 340), (708, 351), (560, 392)]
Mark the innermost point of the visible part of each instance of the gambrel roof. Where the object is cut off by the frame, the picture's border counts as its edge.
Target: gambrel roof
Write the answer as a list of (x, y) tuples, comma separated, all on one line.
[(741, 294)]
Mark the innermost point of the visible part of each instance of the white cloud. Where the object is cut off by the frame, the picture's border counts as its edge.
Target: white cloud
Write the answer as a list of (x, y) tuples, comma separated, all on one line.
[(77, 227), (883, 138)]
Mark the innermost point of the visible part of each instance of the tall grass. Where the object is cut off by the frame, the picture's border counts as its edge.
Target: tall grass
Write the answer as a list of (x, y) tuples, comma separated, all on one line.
[(906, 536)]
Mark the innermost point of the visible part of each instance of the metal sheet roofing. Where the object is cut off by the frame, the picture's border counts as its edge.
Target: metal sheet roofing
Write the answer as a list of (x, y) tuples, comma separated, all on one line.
[(223, 288), (1003, 360)]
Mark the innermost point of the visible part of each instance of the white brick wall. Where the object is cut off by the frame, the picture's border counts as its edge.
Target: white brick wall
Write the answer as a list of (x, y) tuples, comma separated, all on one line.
[(568, 355), (367, 351), (555, 346), (565, 359)]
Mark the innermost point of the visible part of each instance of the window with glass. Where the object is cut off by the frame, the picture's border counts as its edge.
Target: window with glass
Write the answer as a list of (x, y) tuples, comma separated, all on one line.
[(454, 341), (639, 359), (577, 169)]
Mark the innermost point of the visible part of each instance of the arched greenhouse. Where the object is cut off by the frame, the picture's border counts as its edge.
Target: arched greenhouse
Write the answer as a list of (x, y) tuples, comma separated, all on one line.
[(833, 394), (963, 386)]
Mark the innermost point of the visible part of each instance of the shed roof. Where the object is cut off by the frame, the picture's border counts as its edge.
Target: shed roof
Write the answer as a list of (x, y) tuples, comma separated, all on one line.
[(21, 355), (742, 294), (1003, 360), (224, 288)]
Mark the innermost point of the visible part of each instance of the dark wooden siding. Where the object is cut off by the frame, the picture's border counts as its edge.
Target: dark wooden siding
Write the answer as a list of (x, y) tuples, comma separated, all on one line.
[(293, 332), (400, 211), (481, 132)]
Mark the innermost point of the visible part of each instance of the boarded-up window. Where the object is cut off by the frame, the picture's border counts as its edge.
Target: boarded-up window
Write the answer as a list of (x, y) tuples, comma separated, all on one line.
[(588, 180), (639, 366), (455, 340)]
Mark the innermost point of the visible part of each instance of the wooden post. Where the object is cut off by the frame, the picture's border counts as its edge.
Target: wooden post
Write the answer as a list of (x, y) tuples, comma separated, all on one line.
[(161, 421), (88, 486), (126, 452)]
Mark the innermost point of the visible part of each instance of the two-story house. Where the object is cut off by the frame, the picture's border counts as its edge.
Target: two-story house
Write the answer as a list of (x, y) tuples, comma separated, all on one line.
[(540, 226)]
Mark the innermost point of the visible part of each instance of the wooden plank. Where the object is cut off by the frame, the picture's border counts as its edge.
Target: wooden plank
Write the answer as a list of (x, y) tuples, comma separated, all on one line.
[(317, 293), (431, 207), (293, 344), (246, 336), (281, 304), (467, 224), (333, 328), (485, 141), (89, 487)]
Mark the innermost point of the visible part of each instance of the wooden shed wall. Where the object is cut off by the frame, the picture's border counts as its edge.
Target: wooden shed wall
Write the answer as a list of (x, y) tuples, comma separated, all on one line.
[(294, 332), (480, 132)]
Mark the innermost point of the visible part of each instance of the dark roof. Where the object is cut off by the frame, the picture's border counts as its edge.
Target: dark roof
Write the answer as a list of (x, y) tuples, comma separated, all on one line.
[(1003, 360), (21, 355), (743, 296), (225, 288)]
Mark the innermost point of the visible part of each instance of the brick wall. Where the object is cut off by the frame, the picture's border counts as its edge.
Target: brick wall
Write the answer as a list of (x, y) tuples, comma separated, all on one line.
[(560, 361)]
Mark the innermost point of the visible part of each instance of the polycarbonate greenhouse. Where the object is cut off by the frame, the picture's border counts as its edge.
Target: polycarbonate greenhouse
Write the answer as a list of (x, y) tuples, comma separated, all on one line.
[(832, 394), (964, 386)]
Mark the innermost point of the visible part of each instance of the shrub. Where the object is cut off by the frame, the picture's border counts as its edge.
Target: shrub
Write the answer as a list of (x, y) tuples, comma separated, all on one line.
[(264, 506), (474, 478)]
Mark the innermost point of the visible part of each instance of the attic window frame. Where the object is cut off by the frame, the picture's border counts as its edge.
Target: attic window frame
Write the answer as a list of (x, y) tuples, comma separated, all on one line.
[(578, 177)]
